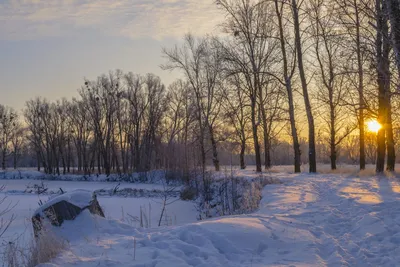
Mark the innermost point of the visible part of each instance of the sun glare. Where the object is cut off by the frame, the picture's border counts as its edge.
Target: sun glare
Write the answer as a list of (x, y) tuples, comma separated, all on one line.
[(373, 126)]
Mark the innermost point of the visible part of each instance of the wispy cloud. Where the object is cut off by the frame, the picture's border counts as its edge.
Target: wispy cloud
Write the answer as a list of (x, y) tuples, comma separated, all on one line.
[(27, 19)]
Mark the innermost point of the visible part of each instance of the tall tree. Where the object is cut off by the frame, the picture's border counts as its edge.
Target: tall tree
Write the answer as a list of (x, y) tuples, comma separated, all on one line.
[(351, 19), (310, 118), (330, 72), (236, 110), (8, 125), (393, 9), (250, 53), (200, 62), (383, 80), (287, 70)]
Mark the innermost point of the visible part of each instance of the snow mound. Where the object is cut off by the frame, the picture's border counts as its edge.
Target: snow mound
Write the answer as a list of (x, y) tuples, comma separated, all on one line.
[(233, 241), (80, 198)]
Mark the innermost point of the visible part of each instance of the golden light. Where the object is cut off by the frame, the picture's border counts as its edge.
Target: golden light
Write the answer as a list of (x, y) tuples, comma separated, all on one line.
[(373, 126)]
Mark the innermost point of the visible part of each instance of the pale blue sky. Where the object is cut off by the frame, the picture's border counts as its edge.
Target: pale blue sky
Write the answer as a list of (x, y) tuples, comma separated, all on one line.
[(47, 47)]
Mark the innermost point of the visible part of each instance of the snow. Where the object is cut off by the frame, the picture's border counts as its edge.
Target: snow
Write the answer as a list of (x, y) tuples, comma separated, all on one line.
[(180, 212), (343, 218), (309, 220), (114, 207), (79, 197)]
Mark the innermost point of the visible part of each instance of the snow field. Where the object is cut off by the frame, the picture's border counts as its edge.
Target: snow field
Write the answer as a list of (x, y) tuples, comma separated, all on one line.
[(310, 220), (330, 219), (115, 207)]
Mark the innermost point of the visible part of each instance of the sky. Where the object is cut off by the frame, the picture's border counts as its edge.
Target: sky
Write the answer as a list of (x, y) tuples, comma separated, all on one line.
[(48, 47)]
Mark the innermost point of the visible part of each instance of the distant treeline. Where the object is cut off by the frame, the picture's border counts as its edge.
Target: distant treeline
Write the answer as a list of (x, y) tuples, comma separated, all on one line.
[(288, 82)]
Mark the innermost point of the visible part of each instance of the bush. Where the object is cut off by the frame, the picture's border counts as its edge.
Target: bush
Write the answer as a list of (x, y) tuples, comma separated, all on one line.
[(188, 193), (230, 194)]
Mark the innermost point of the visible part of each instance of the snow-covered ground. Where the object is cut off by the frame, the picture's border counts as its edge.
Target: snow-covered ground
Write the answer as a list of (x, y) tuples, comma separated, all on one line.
[(341, 218), (309, 220), (119, 208), (115, 207)]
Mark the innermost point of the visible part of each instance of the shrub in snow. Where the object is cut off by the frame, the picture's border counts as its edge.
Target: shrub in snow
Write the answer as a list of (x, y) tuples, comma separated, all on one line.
[(65, 207), (229, 195), (46, 246), (188, 193), (38, 189)]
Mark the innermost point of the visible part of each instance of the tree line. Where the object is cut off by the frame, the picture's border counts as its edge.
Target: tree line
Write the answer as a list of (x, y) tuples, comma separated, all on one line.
[(286, 81)]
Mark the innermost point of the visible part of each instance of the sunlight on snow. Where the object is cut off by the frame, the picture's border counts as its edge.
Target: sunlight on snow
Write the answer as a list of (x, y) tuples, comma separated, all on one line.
[(248, 222), (361, 195), (395, 187)]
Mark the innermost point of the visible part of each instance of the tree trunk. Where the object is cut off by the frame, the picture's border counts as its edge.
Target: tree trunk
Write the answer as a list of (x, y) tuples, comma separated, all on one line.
[(186, 147), (214, 149), (391, 155), (311, 128), (386, 68), (242, 153), (255, 136), (38, 159), (137, 152), (381, 148), (361, 124), (333, 156), (15, 160), (296, 144), (69, 157), (3, 162), (267, 152), (203, 155), (98, 162), (289, 90), (332, 134), (383, 80), (393, 7)]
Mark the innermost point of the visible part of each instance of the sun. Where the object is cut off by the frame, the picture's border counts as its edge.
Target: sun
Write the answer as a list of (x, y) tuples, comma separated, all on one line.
[(373, 126)]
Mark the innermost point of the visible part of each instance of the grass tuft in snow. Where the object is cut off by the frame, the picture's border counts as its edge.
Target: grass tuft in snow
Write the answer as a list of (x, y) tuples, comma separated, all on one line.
[(40, 250), (46, 247)]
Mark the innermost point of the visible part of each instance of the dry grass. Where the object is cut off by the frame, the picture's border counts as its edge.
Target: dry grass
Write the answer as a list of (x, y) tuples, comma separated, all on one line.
[(40, 250)]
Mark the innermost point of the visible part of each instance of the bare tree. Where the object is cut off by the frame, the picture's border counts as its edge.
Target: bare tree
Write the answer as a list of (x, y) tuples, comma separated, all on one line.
[(352, 19), (393, 9), (382, 43), (310, 118), (156, 108), (200, 62), (178, 120), (236, 107), (284, 75), (81, 131), (330, 74), (250, 53), (18, 141), (138, 104), (100, 98), (8, 127)]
